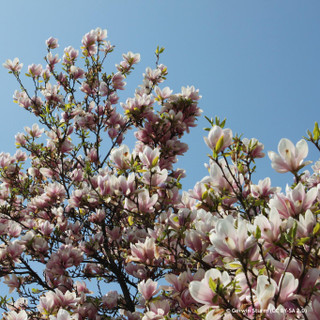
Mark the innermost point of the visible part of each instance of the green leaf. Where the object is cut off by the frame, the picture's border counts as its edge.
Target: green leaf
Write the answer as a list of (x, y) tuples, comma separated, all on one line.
[(253, 263), (316, 229), (209, 120), (215, 299), (175, 219), (303, 241), (293, 230), (155, 161), (204, 195), (212, 285), (316, 131), (258, 233), (130, 220), (262, 271), (219, 144), (234, 265), (290, 236), (240, 167)]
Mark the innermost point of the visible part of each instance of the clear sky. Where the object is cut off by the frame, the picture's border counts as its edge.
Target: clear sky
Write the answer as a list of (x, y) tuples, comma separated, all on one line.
[(256, 62)]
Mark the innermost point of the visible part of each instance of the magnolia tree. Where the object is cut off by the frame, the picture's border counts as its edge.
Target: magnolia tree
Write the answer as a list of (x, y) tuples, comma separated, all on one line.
[(93, 229)]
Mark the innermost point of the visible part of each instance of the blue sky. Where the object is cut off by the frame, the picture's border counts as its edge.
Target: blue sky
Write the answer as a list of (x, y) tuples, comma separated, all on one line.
[(255, 62)]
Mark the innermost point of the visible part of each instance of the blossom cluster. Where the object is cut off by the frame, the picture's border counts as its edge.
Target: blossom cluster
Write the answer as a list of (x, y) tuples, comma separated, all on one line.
[(92, 228)]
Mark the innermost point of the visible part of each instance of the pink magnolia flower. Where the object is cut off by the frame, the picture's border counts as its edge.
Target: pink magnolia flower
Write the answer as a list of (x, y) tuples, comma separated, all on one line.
[(289, 284), (126, 185), (103, 89), (121, 157), (295, 201), (253, 147), (189, 92), (306, 223), (158, 310), (35, 70), (163, 94), (276, 313), (19, 304), (14, 250), (199, 190), (201, 290), (52, 59), (101, 34), (20, 156), (13, 315), (14, 66), (131, 58), (13, 283), (194, 240), (181, 282), (229, 240), (35, 131), (218, 139), (40, 245), (107, 47), (13, 229), (51, 93), (93, 155), (46, 73), (265, 290), (220, 178), (113, 98), (293, 266), (155, 177), (205, 222), (20, 139), (117, 81), (66, 257), (138, 271), (81, 287), (149, 157), (55, 191), (148, 288), (89, 43), (56, 299), (66, 146), (144, 252), (310, 280), (139, 104), (270, 227), (312, 310), (52, 43), (22, 99), (290, 157), (46, 228), (70, 55), (145, 202), (263, 188), (77, 73), (110, 300), (63, 315), (152, 75)]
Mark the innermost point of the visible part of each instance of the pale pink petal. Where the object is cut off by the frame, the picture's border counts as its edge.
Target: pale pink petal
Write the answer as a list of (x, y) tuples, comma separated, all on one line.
[(201, 292)]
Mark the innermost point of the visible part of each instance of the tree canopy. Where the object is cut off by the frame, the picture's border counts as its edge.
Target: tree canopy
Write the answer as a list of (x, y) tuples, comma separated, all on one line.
[(92, 228)]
